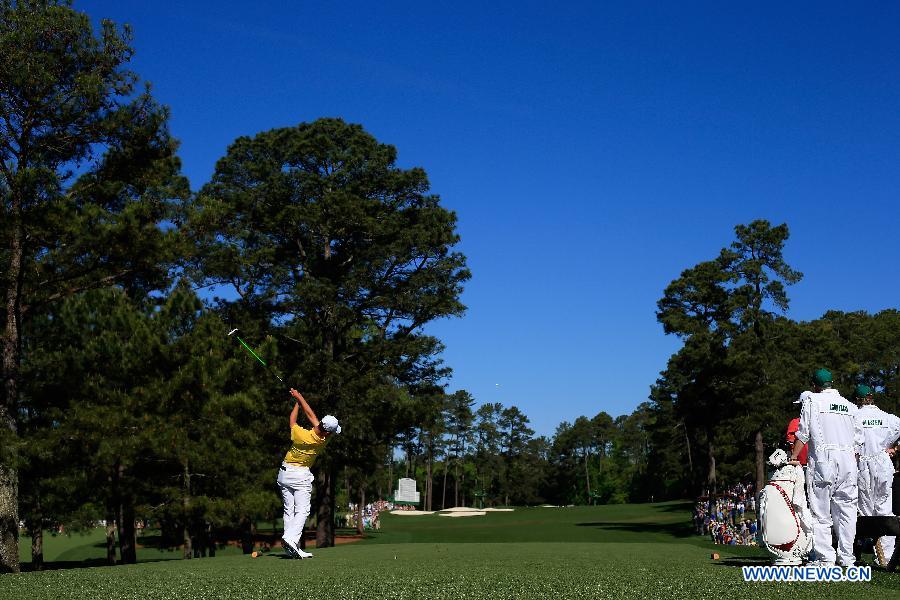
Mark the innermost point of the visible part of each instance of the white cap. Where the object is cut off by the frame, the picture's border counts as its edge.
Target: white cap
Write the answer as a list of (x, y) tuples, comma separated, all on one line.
[(330, 424)]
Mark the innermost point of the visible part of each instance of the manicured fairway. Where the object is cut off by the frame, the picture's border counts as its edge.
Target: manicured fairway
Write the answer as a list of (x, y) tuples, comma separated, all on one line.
[(640, 551)]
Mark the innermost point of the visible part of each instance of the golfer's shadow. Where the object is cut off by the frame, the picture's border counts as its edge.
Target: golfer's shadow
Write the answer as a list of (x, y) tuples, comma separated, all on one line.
[(745, 561)]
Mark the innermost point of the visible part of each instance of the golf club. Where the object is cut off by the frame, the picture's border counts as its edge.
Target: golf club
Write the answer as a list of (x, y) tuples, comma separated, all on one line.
[(261, 361)]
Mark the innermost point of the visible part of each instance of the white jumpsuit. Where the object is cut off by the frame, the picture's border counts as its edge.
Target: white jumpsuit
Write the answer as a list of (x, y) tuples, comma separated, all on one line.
[(876, 470), (834, 435)]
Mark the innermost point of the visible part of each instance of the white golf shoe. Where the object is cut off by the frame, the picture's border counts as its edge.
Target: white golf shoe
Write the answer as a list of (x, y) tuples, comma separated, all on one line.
[(820, 563), (303, 554)]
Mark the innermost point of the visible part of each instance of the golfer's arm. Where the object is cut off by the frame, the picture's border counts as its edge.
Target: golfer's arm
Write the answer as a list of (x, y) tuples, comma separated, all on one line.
[(796, 449), (301, 401), (308, 411), (294, 412)]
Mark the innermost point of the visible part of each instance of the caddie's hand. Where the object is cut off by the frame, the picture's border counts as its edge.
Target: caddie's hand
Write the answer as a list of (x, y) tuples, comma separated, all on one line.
[(891, 451), (794, 462)]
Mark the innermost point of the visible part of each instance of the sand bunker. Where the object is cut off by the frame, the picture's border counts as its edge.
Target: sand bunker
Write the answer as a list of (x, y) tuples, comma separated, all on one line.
[(471, 513), (412, 512), (456, 511), (465, 511)]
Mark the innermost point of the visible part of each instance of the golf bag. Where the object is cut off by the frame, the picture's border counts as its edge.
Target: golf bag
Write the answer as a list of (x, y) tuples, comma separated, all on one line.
[(785, 523)]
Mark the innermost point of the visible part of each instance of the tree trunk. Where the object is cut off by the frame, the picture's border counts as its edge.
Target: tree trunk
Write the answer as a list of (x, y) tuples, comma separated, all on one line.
[(112, 515), (391, 470), (325, 513), (360, 526), (117, 507), (687, 441), (587, 478), (246, 535), (456, 482), (124, 517), (210, 541), (37, 541), (127, 537), (428, 479), (110, 538), (444, 487), (711, 474), (9, 477), (186, 512), (349, 494), (760, 462)]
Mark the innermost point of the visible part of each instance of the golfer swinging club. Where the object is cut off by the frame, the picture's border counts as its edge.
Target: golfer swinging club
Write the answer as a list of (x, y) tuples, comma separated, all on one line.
[(295, 479)]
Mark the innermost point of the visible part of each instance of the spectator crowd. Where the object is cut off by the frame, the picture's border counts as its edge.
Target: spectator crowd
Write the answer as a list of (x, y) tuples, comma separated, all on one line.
[(370, 513), (722, 516)]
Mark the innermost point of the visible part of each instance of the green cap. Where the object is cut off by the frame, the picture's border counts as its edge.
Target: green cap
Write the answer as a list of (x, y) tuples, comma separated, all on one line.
[(822, 378), (862, 391)]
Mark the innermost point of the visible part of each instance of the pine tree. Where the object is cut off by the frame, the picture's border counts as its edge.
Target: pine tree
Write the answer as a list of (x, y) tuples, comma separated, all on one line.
[(87, 171), (318, 230)]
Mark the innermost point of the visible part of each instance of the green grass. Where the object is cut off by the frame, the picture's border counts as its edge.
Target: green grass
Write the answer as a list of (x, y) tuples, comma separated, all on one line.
[(88, 548), (638, 523), (636, 551)]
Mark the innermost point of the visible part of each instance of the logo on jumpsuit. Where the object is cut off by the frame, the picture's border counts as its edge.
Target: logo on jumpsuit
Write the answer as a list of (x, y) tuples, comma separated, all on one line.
[(839, 408), (872, 423)]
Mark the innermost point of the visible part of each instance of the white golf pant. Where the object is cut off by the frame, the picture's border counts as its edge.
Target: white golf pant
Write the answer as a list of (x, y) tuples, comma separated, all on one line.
[(295, 484), (833, 502), (876, 478)]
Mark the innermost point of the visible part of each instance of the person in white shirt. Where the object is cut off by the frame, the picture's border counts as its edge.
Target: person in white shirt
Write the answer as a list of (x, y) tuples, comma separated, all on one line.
[(876, 469), (829, 427)]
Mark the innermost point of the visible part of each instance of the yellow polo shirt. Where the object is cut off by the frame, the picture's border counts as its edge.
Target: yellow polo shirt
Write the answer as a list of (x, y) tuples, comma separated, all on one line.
[(305, 444)]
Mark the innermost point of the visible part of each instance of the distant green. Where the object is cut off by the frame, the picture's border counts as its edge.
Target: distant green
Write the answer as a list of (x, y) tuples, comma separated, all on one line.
[(625, 551)]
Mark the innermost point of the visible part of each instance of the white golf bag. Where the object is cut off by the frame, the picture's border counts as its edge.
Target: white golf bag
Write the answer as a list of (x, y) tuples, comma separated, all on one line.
[(785, 523)]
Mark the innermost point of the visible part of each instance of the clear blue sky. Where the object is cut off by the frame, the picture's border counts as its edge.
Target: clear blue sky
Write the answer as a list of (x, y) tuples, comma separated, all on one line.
[(591, 152)]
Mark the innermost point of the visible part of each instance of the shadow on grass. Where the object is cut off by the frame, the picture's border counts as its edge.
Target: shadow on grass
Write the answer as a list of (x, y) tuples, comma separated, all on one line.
[(56, 565), (684, 507), (679, 530), (737, 562)]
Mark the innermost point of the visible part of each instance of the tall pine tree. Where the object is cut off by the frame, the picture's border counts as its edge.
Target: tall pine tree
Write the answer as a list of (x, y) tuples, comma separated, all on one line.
[(331, 244), (87, 169)]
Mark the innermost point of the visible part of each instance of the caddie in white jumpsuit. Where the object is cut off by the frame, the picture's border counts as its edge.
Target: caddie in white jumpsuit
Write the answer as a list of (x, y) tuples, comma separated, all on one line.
[(829, 426), (876, 470)]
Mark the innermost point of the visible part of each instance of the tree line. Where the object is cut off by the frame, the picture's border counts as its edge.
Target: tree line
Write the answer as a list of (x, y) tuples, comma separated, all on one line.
[(123, 398), (718, 409), (489, 456)]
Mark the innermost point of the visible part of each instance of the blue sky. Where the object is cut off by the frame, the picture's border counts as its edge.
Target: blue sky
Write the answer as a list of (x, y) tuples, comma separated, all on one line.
[(591, 151)]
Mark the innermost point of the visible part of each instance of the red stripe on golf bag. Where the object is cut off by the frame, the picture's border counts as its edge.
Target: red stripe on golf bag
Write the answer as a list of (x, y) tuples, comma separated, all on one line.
[(787, 546)]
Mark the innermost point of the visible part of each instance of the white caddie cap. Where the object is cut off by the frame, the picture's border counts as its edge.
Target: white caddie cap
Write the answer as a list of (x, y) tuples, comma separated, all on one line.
[(330, 424)]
